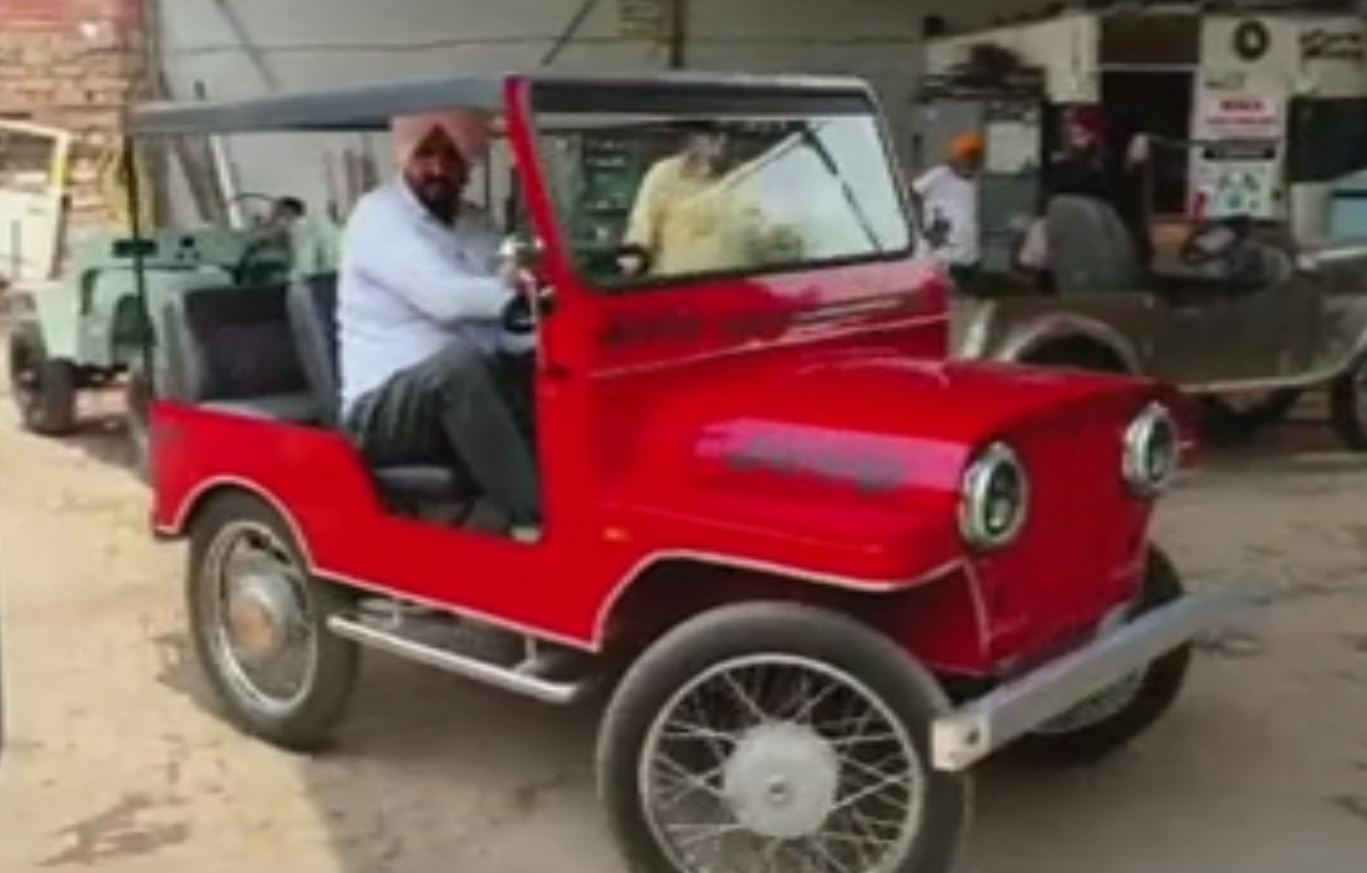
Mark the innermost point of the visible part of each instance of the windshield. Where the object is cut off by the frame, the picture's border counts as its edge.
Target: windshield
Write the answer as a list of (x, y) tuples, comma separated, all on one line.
[(647, 198)]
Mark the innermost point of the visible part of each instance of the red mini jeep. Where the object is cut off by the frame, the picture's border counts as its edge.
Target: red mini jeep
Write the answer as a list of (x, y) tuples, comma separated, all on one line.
[(821, 570)]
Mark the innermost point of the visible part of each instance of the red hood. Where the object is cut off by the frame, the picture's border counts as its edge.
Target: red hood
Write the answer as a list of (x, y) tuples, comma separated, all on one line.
[(962, 402), (872, 429), (854, 461)]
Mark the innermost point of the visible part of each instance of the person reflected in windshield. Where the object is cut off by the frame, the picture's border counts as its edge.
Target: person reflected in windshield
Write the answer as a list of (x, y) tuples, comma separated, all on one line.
[(659, 222), (700, 211), (420, 303)]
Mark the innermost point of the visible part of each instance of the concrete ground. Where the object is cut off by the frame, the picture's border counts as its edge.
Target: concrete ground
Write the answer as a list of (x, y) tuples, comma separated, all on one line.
[(113, 763)]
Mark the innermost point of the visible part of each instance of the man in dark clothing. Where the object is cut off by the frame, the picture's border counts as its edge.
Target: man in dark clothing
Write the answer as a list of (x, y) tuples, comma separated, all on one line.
[(1085, 167)]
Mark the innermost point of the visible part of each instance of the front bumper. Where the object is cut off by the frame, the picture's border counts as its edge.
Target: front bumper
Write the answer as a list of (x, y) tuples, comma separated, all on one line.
[(983, 726)]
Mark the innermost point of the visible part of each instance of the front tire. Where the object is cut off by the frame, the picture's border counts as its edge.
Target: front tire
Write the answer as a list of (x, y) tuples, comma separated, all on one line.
[(1107, 722), (778, 731), (258, 622)]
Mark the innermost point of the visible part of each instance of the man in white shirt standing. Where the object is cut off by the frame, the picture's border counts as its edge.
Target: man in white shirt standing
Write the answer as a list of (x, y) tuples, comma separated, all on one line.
[(949, 207), (420, 301)]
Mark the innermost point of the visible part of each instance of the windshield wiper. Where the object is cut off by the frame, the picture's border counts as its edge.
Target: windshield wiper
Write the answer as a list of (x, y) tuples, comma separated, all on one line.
[(809, 136)]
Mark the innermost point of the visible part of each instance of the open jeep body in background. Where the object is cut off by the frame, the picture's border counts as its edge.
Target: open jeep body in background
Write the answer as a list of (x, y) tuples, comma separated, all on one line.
[(821, 570), (1251, 194), (85, 330)]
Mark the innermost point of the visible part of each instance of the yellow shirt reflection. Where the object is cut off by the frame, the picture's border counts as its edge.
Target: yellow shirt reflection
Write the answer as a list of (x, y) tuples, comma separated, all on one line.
[(695, 222)]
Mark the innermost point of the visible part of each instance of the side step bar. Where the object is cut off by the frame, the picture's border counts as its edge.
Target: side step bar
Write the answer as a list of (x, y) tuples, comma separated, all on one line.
[(519, 679)]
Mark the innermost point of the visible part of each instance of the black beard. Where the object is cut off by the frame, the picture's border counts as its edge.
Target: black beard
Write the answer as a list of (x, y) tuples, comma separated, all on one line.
[(442, 201)]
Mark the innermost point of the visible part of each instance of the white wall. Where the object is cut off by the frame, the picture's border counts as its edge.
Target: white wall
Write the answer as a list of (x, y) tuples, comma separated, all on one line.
[(308, 43)]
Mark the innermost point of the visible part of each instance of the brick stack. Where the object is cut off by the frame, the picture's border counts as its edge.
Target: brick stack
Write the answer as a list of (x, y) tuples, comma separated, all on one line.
[(75, 65)]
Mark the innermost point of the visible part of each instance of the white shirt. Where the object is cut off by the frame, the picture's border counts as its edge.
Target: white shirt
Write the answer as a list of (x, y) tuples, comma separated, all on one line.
[(951, 198), (408, 283)]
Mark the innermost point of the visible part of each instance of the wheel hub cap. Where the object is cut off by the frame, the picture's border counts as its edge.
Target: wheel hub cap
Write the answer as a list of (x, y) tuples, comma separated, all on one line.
[(261, 610), (781, 781)]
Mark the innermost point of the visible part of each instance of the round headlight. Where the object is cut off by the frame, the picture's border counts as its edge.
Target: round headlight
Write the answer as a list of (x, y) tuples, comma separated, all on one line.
[(1152, 448), (994, 499)]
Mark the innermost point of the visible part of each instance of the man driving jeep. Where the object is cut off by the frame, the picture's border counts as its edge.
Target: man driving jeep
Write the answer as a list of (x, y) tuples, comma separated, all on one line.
[(420, 303)]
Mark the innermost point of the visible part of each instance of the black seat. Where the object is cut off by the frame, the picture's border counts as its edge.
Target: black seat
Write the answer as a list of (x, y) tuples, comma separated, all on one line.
[(313, 318), (312, 306), (231, 349), (1090, 248)]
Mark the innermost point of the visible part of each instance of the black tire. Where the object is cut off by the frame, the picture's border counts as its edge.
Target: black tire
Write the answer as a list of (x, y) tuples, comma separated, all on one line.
[(137, 395), (44, 388), (1224, 421), (723, 635), (1348, 406), (1077, 353), (1158, 691), (309, 722)]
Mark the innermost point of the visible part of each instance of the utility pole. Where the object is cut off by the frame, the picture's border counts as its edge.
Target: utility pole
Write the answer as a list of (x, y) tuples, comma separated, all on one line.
[(678, 33)]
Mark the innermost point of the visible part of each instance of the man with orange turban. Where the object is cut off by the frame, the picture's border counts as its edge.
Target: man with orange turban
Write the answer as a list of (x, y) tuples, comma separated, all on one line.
[(420, 305), (948, 196)]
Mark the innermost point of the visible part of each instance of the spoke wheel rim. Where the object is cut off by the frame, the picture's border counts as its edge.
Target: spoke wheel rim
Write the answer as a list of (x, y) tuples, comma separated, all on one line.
[(261, 634), (780, 763)]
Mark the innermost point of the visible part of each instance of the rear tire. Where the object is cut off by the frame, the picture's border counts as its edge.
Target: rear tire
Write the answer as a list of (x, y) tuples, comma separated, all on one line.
[(1227, 422), (44, 388), (241, 549), (137, 395), (1348, 406), (1076, 353), (781, 780), (1077, 738)]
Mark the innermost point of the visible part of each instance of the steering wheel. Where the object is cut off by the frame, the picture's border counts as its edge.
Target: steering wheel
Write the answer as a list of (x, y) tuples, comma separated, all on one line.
[(1217, 241), (242, 271), (256, 243), (614, 261), (645, 260)]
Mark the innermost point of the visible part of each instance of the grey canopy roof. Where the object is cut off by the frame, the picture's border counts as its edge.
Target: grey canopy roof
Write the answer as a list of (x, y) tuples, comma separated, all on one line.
[(372, 106)]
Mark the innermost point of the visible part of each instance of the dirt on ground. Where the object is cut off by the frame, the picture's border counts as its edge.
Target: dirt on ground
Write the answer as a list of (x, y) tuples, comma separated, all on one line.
[(115, 761)]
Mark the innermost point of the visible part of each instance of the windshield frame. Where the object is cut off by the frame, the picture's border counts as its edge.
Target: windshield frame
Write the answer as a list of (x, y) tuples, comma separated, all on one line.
[(717, 101)]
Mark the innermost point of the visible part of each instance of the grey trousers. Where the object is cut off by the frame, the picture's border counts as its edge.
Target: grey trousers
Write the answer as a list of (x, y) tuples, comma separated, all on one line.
[(451, 409)]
